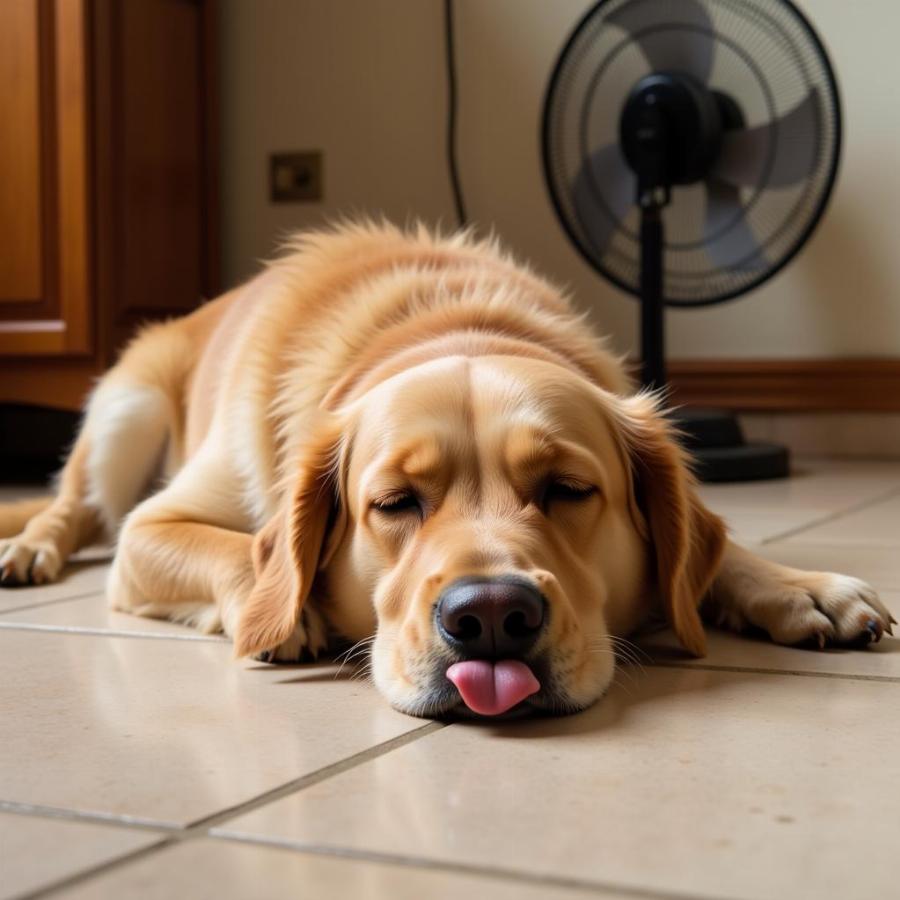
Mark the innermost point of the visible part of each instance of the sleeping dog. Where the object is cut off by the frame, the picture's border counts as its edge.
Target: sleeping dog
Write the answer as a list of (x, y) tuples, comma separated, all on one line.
[(412, 439)]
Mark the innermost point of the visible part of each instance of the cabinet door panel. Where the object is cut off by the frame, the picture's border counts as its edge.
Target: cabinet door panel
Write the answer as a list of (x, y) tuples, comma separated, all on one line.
[(20, 154), (44, 226)]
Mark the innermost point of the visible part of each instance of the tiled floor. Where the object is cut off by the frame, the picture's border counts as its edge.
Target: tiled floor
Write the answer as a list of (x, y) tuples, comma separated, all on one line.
[(138, 759)]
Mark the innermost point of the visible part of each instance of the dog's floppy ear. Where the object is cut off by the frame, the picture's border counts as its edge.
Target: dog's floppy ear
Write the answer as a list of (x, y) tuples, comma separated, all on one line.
[(290, 548), (688, 540)]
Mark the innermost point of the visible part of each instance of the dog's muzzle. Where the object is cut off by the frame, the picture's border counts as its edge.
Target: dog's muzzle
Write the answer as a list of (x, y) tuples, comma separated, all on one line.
[(491, 623)]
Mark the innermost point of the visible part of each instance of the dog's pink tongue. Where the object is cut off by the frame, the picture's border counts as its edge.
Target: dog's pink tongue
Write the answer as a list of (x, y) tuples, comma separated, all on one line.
[(493, 688)]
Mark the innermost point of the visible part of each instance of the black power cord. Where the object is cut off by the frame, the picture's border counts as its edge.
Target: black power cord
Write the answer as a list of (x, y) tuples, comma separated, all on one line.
[(451, 115)]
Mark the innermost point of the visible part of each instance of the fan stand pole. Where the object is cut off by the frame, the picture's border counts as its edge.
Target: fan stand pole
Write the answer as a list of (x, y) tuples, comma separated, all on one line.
[(713, 437), (653, 373)]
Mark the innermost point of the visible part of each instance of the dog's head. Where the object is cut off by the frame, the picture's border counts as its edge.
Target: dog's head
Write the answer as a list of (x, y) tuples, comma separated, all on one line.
[(492, 521)]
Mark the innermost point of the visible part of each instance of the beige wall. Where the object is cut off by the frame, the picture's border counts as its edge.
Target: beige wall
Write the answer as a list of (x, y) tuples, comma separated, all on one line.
[(364, 81)]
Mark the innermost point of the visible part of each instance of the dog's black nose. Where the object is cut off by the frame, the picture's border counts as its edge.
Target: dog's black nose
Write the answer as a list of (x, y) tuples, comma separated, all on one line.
[(491, 618)]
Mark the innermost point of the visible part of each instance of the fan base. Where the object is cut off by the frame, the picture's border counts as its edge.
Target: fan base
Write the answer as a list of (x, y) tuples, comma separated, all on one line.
[(716, 443)]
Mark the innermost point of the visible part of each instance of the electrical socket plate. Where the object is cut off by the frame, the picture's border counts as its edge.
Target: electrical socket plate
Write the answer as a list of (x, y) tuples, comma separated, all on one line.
[(295, 177)]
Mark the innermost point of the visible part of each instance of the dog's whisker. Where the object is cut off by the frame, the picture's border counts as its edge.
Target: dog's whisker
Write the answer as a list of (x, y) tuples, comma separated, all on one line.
[(630, 657), (623, 670), (360, 648), (362, 673), (623, 687), (631, 646), (359, 645), (628, 651), (626, 657), (359, 654), (623, 654)]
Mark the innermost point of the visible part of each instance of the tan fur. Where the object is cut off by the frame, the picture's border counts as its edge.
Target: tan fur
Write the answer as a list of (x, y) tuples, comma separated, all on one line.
[(689, 539), (286, 553), (15, 516), (367, 360)]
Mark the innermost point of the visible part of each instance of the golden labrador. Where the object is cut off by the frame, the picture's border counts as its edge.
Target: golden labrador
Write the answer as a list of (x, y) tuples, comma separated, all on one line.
[(415, 439)]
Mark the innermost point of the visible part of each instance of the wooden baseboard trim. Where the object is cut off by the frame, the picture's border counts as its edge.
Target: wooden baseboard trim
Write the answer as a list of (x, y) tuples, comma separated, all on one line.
[(55, 383), (814, 385)]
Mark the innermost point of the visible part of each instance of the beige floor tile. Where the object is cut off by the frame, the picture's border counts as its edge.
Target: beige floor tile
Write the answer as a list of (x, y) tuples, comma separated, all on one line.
[(753, 526), (881, 660), (169, 731), (78, 579), (880, 566), (36, 852), (877, 525), (698, 783), (816, 485), (219, 870), (92, 614)]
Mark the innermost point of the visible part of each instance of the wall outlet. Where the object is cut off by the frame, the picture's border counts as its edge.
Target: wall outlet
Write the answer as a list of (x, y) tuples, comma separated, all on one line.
[(295, 177)]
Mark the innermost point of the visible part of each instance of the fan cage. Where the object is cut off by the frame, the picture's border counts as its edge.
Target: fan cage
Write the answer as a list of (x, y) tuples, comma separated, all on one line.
[(784, 58)]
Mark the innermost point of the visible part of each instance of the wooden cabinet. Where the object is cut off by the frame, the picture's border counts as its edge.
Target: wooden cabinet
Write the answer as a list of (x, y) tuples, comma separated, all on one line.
[(107, 182)]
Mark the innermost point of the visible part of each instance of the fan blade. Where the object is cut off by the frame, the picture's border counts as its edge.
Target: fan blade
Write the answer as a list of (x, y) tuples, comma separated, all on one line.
[(604, 190), (730, 243), (674, 36), (792, 141)]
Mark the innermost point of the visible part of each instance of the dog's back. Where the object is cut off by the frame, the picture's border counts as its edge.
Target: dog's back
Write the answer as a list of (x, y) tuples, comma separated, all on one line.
[(307, 331)]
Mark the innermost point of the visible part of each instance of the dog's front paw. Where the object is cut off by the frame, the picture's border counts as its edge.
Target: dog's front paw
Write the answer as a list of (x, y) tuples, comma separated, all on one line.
[(856, 613), (24, 562), (820, 608), (309, 639)]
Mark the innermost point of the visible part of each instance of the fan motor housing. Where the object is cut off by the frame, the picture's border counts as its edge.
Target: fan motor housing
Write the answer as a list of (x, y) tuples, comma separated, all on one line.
[(671, 117), (739, 144)]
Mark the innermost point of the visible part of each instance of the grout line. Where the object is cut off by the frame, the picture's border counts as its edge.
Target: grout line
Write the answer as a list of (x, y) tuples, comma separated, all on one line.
[(67, 882), (41, 603), (824, 519), (758, 670), (199, 828), (89, 818), (298, 784), (180, 832), (498, 873), (110, 632), (600, 889)]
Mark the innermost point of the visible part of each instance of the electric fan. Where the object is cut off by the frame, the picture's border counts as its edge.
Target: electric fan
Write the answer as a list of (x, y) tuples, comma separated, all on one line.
[(690, 147)]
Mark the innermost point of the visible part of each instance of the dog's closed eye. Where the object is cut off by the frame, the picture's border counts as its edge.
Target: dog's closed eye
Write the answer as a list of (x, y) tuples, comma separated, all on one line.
[(565, 490), (397, 504)]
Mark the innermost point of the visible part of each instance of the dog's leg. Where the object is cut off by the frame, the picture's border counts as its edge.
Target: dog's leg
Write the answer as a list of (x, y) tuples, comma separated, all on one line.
[(16, 515), (112, 463), (37, 554), (794, 606), (182, 555)]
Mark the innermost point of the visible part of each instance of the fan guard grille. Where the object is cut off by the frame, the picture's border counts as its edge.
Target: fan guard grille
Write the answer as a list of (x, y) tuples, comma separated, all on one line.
[(764, 55)]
